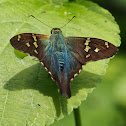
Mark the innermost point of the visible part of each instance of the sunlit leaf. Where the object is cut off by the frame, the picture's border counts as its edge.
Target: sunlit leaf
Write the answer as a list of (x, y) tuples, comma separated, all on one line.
[(28, 96)]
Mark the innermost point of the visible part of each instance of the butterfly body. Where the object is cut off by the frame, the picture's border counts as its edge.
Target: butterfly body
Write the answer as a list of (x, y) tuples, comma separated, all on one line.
[(57, 55), (63, 57)]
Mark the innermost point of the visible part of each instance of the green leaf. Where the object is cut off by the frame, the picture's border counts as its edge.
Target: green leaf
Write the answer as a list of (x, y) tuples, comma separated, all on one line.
[(20, 54), (28, 96)]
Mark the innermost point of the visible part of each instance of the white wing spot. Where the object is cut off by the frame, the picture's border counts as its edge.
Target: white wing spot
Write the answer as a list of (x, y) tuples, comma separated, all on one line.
[(96, 50), (19, 37), (35, 44), (34, 37), (46, 69), (52, 79), (87, 48), (87, 55), (75, 75), (27, 44), (35, 51), (50, 73), (42, 63), (87, 41), (106, 43)]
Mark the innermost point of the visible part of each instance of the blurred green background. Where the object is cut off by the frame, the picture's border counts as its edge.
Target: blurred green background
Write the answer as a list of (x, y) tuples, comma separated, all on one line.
[(106, 105)]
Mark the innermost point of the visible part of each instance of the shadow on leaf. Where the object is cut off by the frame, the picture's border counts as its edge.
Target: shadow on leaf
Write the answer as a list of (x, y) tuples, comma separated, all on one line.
[(37, 78)]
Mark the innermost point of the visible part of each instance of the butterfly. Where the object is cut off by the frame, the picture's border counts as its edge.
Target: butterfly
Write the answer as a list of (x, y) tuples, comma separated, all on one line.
[(61, 56)]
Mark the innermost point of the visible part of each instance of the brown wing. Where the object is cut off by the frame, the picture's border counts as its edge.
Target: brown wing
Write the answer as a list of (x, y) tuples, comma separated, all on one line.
[(90, 49), (30, 43)]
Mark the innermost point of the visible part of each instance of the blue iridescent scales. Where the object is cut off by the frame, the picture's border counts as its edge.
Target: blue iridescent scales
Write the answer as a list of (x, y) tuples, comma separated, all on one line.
[(61, 56)]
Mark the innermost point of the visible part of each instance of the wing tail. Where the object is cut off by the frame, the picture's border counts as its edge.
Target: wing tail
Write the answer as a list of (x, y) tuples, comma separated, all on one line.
[(64, 87)]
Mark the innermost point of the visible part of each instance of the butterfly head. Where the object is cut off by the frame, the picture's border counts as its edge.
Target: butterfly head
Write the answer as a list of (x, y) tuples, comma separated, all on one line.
[(55, 30)]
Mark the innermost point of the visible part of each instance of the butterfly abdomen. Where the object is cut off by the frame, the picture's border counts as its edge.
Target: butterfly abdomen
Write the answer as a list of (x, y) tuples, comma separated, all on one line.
[(61, 64), (65, 81), (61, 71)]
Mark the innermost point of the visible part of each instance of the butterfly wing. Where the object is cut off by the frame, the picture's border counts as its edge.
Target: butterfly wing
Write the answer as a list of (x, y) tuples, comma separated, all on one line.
[(90, 49), (30, 43), (39, 45), (84, 50)]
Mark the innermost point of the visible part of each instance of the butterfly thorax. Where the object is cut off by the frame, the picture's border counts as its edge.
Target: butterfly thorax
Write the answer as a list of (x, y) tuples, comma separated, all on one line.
[(59, 48), (57, 41)]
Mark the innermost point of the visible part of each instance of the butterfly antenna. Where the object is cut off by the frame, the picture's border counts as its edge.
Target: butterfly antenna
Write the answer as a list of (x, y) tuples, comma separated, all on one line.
[(68, 22), (40, 21)]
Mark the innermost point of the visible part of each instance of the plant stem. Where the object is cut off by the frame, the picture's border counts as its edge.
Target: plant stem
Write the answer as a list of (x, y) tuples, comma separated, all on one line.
[(77, 117), (72, 0)]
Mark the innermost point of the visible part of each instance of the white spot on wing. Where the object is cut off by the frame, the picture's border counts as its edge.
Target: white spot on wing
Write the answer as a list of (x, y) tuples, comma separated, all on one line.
[(19, 37), (87, 55), (87, 41), (42, 63), (27, 44), (46, 69), (75, 75), (35, 51), (52, 78), (87, 48), (106, 43), (35, 44), (34, 37), (96, 50), (50, 73)]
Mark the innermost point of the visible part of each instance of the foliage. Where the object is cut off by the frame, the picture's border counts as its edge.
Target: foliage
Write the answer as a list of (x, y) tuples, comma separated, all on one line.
[(28, 96)]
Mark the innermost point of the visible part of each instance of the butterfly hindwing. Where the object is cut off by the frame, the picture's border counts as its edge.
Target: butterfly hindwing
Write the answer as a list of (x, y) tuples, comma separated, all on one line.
[(74, 65), (90, 49), (30, 43)]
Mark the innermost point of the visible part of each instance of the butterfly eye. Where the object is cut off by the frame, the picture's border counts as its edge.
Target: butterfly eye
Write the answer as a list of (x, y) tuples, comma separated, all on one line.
[(52, 31), (55, 30)]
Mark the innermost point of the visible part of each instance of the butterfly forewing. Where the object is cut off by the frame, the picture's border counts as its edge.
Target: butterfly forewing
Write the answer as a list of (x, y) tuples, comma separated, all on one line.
[(36, 45), (30, 43), (90, 49)]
